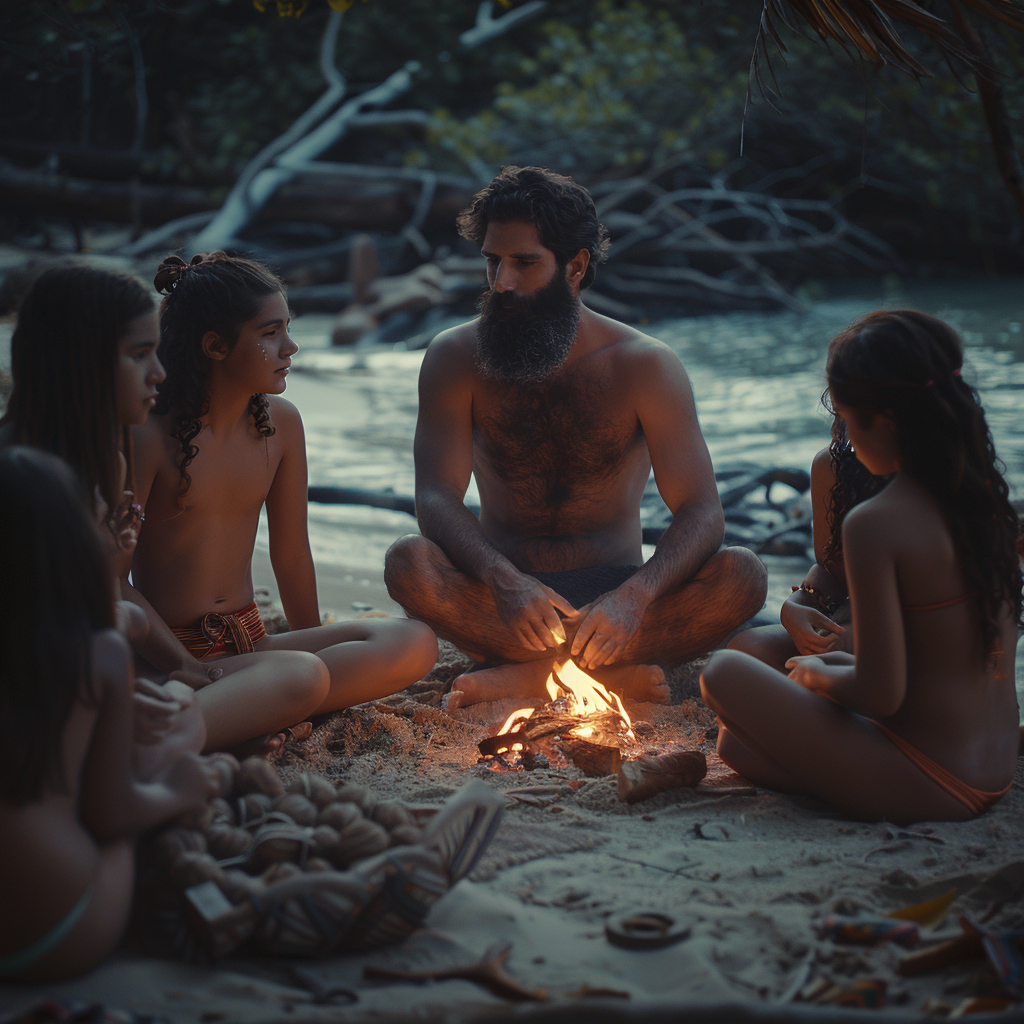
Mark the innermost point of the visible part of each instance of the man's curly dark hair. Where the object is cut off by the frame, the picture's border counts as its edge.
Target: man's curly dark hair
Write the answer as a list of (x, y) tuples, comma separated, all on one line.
[(215, 292), (562, 211)]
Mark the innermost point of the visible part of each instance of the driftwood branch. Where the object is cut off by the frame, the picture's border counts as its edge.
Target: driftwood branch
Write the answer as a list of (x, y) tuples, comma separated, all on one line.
[(488, 27)]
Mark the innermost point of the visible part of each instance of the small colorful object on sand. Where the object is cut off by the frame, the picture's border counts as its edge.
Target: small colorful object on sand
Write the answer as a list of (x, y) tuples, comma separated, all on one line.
[(867, 930)]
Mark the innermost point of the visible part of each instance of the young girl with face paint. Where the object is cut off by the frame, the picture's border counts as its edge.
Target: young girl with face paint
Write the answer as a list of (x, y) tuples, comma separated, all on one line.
[(922, 725), (221, 445)]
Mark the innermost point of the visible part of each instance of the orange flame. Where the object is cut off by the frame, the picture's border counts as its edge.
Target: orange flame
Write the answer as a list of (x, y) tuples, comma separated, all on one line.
[(515, 721), (585, 695)]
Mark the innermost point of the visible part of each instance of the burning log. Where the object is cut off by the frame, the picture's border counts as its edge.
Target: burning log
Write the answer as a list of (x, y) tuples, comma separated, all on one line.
[(641, 779), (594, 759)]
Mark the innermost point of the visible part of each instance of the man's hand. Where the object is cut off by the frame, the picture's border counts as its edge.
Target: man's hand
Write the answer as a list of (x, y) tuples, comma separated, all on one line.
[(606, 626), (527, 607), (196, 675), (811, 630)]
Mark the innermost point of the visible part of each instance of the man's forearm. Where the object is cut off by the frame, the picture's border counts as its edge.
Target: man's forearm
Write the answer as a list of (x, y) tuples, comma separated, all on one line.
[(693, 536), (453, 528), (161, 648)]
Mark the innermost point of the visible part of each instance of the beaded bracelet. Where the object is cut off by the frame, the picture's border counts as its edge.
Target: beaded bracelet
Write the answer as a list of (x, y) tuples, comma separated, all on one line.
[(823, 603)]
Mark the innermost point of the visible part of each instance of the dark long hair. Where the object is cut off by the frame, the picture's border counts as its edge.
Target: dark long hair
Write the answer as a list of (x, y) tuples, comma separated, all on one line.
[(64, 353), (58, 591), (215, 292), (853, 484), (907, 365)]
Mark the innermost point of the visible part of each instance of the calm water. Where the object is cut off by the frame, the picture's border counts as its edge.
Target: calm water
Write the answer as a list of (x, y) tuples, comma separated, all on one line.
[(757, 379)]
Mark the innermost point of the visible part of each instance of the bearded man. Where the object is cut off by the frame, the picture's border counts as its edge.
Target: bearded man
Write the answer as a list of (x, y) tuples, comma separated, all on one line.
[(560, 414)]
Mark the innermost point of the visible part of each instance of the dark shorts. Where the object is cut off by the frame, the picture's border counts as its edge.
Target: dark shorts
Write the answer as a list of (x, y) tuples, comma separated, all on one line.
[(581, 586)]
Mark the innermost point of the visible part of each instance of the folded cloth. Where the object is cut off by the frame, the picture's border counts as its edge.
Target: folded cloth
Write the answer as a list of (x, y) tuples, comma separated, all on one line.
[(216, 634), (581, 586)]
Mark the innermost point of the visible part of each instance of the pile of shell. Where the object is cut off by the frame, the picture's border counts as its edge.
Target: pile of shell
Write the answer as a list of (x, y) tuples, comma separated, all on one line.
[(258, 832)]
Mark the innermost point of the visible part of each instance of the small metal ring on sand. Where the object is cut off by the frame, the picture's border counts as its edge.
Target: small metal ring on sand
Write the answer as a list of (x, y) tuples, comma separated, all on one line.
[(646, 930)]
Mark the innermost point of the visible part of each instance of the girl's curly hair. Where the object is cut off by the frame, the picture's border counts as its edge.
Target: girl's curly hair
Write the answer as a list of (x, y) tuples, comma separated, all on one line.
[(215, 292), (853, 484), (907, 365)]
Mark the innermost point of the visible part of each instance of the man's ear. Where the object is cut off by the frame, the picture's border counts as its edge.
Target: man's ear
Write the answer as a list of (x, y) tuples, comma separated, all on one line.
[(214, 346), (577, 267)]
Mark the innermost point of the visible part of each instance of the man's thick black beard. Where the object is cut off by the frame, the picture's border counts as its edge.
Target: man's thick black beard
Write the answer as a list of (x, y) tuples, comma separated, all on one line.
[(521, 339)]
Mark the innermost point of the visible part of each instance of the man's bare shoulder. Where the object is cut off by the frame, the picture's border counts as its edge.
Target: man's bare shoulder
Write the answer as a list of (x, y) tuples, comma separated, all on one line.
[(639, 358), (451, 356), (631, 345)]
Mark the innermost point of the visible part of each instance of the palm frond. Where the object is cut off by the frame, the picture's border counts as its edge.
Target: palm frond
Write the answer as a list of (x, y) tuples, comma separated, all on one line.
[(869, 27)]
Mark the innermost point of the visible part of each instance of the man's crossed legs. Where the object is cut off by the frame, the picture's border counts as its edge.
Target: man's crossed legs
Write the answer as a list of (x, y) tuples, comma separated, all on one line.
[(681, 624)]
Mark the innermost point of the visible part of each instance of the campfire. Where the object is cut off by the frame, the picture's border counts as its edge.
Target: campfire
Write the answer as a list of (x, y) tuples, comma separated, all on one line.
[(583, 721), (586, 723)]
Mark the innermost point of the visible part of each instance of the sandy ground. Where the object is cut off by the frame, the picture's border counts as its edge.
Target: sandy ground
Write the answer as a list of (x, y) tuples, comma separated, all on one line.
[(749, 872)]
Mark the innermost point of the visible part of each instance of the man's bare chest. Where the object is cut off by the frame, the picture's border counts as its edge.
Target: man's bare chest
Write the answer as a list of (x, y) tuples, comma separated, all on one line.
[(552, 444)]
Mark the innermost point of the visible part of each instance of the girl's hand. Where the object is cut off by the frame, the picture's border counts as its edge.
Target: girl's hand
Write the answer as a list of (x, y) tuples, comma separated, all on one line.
[(816, 673), (189, 781), (811, 631), (154, 711)]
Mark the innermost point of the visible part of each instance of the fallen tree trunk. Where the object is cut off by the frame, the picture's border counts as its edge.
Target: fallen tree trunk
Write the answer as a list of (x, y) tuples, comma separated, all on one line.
[(58, 195)]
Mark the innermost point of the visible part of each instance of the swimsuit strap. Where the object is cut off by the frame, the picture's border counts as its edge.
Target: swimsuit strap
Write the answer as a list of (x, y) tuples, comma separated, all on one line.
[(12, 966), (935, 607)]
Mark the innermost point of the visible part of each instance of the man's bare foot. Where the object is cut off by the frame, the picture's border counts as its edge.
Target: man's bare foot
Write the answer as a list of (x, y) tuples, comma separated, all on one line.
[(522, 680), (635, 682)]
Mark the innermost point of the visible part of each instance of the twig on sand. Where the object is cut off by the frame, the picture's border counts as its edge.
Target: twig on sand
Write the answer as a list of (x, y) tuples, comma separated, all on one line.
[(489, 971)]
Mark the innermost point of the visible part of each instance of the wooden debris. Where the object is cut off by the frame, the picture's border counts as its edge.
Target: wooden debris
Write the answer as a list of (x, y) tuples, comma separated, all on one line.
[(641, 779), (489, 971), (594, 759)]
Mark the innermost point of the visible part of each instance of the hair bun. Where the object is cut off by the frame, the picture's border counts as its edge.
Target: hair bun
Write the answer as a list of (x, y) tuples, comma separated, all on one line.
[(171, 271)]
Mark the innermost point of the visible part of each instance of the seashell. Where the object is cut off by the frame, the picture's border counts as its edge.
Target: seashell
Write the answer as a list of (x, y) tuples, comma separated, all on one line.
[(273, 844), (406, 835), (191, 868), (280, 872), (359, 840), (222, 813), (356, 794), (220, 776), (195, 818), (227, 841), (325, 843), (390, 814), (257, 775), (253, 808), (297, 807), (239, 886), (339, 814), (318, 864), (167, 846), (314, 788)]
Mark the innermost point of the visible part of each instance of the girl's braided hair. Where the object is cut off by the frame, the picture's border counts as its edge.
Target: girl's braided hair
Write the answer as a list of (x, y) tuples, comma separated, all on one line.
[(907, 365), (215, 292)]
